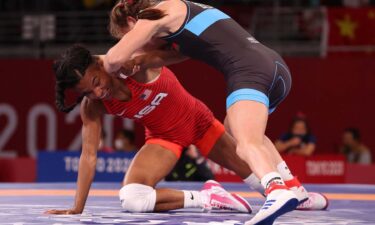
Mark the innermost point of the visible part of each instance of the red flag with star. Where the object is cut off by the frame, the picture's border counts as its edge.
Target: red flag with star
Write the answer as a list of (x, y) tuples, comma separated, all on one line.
[(351, 30)]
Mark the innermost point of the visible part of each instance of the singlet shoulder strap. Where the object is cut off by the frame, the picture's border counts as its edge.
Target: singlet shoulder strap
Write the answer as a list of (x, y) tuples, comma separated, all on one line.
[(183, 24)]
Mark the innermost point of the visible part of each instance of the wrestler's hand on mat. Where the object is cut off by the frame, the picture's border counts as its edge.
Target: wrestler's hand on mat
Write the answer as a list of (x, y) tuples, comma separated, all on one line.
[(63, 211)]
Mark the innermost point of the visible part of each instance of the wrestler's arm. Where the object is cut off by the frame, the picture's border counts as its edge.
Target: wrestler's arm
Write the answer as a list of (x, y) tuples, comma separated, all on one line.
[(158, 58), (135, 39), (91, 113)]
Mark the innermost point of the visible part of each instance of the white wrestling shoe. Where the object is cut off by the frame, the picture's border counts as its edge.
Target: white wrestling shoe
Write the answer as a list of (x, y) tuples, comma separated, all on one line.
[(278, 202), (295, 186), (316, 201), (219, 198)]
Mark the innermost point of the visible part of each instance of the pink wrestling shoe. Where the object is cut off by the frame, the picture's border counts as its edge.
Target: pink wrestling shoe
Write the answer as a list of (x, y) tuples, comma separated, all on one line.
[(307, 200), (316, 201), (219, 198)]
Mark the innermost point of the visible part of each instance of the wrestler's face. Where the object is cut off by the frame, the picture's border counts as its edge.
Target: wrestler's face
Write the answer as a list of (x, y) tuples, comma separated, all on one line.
[(96, 83)]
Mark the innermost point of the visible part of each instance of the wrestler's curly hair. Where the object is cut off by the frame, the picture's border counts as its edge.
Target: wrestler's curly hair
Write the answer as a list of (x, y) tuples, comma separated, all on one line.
[(76, 58)]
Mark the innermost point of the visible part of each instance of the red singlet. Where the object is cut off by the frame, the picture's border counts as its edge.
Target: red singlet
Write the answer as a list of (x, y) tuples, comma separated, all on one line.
[(166, 109)]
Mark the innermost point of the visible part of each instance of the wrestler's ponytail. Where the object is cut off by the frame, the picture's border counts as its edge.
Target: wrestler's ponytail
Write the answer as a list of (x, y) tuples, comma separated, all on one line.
[(138, 9), (76, 58), (150, 14)]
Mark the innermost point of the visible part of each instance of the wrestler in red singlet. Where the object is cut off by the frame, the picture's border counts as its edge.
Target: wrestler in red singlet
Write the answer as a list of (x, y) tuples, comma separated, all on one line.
[(172, 117)]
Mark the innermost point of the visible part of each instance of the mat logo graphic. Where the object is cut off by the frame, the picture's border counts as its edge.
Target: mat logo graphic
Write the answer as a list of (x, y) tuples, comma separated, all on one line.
[(146, 110)]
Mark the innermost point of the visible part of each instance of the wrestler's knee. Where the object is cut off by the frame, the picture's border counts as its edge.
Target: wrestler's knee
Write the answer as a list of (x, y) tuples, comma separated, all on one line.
[(137, 198)]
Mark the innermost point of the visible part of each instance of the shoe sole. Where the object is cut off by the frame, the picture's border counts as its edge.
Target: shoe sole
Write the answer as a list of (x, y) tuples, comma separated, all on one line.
[(290, 205), (326, 206)]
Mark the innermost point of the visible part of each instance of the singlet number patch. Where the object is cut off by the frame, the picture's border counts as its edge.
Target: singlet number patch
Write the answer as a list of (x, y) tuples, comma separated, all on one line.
[(146, 110)]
